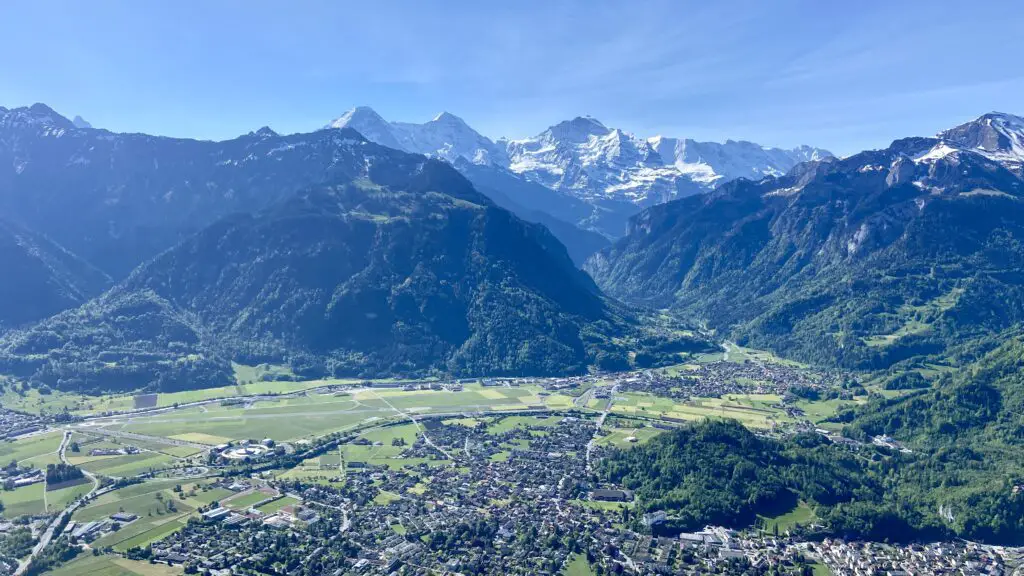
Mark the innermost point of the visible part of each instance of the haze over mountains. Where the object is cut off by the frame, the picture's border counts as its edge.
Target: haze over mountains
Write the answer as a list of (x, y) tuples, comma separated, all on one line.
[(324, 250), (613, 172), (342, 256), (910, 251)]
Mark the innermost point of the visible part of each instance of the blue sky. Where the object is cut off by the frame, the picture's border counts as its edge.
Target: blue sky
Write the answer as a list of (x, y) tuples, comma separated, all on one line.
[(840, 75)]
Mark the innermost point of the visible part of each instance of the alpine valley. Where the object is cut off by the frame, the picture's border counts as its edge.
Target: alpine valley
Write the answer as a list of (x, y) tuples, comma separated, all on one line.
[(409, 349), (909, 254)]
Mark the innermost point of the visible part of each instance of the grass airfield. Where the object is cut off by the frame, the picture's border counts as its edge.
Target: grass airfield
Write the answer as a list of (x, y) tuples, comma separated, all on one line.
[(314, 413)]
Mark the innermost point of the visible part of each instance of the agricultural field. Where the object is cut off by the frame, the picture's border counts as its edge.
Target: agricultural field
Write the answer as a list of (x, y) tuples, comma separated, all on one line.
[(144, 531), (60, 499), (753, 410), (509, 422), (739, 354), (203, 497), (32, 450), (252, 374), (129, 464), (381, 452), (384, 498), (312, 475), (160, 511), (820, 410), (34, 499), (24, 500), (107, 565), (148, 499), (607, 506)]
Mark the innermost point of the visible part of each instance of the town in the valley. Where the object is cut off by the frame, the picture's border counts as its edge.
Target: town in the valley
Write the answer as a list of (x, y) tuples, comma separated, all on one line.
[(428, 479)]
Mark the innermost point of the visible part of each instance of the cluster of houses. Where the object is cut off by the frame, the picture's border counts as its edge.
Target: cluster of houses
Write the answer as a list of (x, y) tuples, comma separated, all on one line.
[(15, 476), (242, 535), (717, 379), (14, 424), (454, 386), (869, 559)]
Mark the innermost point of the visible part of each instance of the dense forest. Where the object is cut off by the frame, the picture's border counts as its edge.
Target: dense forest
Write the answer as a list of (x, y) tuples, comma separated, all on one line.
[(718, 472)]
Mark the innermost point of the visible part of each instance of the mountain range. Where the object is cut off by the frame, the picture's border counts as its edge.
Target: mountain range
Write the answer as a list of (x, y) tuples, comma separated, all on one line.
[(866, 261), (324, 251), (612, 172)]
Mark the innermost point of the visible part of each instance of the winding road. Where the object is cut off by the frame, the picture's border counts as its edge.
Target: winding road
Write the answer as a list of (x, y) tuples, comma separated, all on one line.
[(48, 535)]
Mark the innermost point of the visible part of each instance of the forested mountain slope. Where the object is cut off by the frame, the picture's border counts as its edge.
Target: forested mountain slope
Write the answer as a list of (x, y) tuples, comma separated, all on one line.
[(864, 261), (41, 278), (400, 267)]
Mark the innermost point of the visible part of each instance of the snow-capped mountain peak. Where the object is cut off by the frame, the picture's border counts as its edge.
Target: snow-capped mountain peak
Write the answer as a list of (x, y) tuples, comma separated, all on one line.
[(584, 158), (448, 118), (997, 135), (371, 125), (446, 136), (577, 130)]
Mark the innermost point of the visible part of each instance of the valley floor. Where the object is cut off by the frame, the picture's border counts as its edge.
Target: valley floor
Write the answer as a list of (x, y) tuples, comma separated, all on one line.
[(493, 476)]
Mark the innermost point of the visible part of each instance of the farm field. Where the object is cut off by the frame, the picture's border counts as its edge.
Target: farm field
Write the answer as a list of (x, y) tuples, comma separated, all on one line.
[(316, 476), (821, 409), (209, 495), (24, 500), (739, 354), (381, 452), (143, 531), (138, 499), (88, 565), (129, 464), (59, 499), (31, 450), (384, 498), (509, 422), (31, 499), (33, 402)]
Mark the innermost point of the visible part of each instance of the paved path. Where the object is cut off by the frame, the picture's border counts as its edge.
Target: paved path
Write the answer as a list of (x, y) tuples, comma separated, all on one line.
[(419, 428), (600, 423), (48, 535)]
